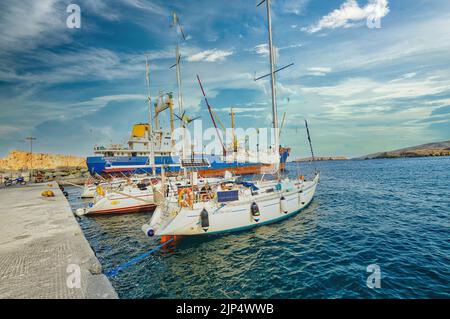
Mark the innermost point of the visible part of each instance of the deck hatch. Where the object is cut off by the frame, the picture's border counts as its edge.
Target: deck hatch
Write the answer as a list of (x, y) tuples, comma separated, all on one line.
[(227, 196)]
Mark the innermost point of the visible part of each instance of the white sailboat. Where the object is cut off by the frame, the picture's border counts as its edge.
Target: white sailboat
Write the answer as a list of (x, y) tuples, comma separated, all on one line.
[(234, 206), (122, 196), (91, 185), (235, 209), (140, 195)]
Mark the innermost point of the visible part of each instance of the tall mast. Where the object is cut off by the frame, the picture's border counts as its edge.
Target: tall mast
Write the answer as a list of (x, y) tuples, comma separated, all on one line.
[(171, 115), (272, 77), (178, 71), (180, 95), (150, 114), (149, 99), (176, 24)]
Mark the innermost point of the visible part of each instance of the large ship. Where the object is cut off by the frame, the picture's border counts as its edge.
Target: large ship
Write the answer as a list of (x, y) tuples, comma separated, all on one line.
[(147, 152), (151, 148)]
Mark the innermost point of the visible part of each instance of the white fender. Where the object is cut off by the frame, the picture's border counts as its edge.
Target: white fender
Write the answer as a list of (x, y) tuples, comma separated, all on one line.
[(301, 199), (80, 211), (283, 205)]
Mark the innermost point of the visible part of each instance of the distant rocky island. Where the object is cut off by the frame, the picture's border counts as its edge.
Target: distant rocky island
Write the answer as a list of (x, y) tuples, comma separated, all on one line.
[(321, 158), (430, 149)]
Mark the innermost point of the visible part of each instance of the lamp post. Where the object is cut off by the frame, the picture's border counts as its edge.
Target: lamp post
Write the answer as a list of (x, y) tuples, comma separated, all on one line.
[(31, 139)]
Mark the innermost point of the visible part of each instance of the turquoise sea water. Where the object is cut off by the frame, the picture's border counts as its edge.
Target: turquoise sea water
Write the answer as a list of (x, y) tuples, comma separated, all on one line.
[(394, 213)]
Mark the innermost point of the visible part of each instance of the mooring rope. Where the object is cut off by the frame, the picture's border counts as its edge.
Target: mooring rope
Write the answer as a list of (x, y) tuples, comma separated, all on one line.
[(115, 271)]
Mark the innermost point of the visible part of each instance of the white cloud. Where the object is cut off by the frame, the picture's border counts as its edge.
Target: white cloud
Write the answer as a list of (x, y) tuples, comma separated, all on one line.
[(422, 87), (404, 77), (243, 109), (100, 8), (24, 25), (348, 95), (347, 88), (147, 5), (263, 50), (296, 7), (9, 129), (318, 71), (443, 102), (101, 101), (210, 55), (349, 13), (28, 24), (114, 12), (87, 64)]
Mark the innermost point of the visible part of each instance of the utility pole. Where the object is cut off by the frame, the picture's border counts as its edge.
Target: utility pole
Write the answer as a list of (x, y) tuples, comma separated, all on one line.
[(31, 139)]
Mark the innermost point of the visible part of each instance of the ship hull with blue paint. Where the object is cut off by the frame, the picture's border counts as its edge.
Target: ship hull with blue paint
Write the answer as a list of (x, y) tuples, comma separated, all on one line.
[(214, 166), (148, 152)]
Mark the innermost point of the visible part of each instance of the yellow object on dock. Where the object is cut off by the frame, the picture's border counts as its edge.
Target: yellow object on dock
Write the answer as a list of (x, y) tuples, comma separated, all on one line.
[(48, 193)]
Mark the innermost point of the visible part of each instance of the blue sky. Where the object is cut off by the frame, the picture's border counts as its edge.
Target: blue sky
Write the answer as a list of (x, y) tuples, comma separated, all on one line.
[(362, 89)]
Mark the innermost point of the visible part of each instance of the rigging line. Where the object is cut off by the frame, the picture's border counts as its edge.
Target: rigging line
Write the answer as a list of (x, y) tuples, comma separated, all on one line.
[(115, 271), (218, 120), (310, 144), (282, 68), (211, 115)]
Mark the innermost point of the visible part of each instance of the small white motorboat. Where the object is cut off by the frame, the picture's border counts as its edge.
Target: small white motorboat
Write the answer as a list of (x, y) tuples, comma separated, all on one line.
[(139, 196), (129, 199), (91, 185)]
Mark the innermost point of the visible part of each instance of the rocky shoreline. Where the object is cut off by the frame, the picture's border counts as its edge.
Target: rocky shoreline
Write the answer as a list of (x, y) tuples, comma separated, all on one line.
[(42, 167), (424, 150), (74, 175), (322, 158)]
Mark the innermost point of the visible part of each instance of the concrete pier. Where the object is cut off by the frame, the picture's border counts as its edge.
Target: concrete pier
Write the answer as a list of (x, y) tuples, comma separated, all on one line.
[(43, 252)]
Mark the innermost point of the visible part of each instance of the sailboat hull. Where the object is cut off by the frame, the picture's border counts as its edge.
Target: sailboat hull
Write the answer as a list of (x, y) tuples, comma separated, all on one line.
[(236, 216), (118, 204)]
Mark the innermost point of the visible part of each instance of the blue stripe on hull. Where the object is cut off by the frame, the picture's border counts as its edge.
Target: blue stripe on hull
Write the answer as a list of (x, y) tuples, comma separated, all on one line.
[(98, 164)]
